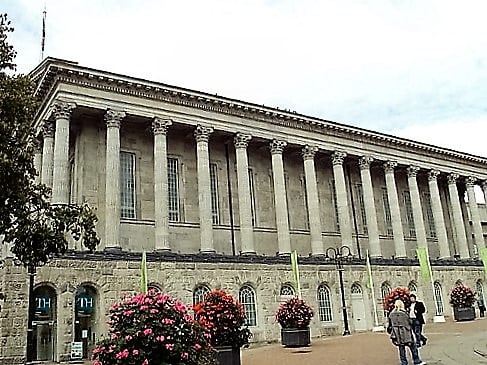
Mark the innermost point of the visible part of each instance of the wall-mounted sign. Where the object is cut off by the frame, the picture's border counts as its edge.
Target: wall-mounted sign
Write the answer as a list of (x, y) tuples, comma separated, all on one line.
[(85, 302), (43, 304), (76, 350)]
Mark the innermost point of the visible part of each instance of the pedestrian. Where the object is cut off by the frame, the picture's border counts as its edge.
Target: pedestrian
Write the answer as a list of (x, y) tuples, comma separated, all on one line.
[(401, 333), (481, 305), (416, 311)]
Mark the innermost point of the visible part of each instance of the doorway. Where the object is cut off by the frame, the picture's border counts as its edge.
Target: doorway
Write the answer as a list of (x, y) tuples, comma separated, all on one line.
[(358, 308)]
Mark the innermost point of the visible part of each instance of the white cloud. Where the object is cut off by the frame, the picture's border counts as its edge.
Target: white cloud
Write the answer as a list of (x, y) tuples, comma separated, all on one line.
[(391, 66)]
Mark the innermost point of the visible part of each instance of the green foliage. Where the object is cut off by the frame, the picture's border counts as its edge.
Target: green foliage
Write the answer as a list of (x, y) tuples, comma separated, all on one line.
[(36, 228)]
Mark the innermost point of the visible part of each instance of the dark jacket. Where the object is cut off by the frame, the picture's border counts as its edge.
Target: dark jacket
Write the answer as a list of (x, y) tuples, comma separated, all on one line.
[(419, 309), (400, 328)]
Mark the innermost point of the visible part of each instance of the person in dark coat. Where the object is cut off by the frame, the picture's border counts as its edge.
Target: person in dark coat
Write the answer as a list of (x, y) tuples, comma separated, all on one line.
[(416, 311), (401, 333)]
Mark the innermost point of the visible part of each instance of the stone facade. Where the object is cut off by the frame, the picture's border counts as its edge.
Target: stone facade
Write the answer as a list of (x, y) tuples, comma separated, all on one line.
[(218, 192)]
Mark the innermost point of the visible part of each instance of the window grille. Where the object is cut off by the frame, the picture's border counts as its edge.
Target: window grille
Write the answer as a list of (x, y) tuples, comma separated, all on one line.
[(199, 293), (335, 204), (361, 206), (409, 214), (438, 298), (387, 213), (324, 304), (215, 208), (385, 289), (127, 185), (429, 216), (247, 298), (173, 189), (252, 197)]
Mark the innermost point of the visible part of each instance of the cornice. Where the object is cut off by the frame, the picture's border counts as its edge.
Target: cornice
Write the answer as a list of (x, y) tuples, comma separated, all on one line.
[(70, 73)]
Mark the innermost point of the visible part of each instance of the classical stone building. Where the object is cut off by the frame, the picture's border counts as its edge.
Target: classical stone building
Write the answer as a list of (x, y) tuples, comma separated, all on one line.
[(218, 192)]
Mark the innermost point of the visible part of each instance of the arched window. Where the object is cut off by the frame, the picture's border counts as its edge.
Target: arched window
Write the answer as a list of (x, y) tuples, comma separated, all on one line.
[(438, 298), (412, 287), (153, 287), (458, 282), (246, 296), (356, 289), (480, 292), (199, 293), (385, 289), (324, 303), (286, 292)]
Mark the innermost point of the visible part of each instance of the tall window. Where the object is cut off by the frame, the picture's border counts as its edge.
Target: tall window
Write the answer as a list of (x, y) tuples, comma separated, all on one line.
[(305, 201), (215, 208), (412, 287), (72, 180), (199, 293), (324, 304), (246, 296), (286, 292), (173, 189), (361, 207), (127, 185), (385, 289), (387, 212), (252, 196), (429, 216), (438, 298), (409, 214), (335, 204)]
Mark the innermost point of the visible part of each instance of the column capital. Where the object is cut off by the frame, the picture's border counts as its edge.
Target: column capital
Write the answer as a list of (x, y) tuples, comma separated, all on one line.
[(241, 140), (202, 133), (47, 129), (412, 171), (452, 178), (308, 152), (433, 175), (389, 166), (338, 157), (277, 146), (113, 118), (365, 162), (160, 125), (470, 181), (62, 109)]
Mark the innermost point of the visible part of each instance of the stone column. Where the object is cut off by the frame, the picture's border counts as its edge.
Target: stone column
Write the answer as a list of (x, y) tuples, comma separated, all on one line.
[(202, 135), (280, 197), (60, 182), (458, 222), (314, 216), (342, 201), (113, 119), (37, 160), (369, 203), (397, 230), (241, 142), (417, 207), (47, 153), (161, 208), (474, 213), (438, 214)]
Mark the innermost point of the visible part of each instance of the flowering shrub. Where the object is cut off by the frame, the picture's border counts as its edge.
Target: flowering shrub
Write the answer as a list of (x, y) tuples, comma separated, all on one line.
[(294, 313), (224, 317), (395, 294), (153, 329), (462, 296)]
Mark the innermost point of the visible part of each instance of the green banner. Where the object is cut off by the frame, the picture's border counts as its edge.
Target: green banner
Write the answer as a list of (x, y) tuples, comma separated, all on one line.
[(369, 284), (483, 256), (143, 274), (424, 262), (295, 269)]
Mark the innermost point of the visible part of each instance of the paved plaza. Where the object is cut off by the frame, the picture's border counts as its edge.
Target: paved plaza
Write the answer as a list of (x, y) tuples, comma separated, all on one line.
[(451, 343)]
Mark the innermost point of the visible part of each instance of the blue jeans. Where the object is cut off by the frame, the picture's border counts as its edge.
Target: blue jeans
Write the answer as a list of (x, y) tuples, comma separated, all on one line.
[(418, 332), (414, 354)]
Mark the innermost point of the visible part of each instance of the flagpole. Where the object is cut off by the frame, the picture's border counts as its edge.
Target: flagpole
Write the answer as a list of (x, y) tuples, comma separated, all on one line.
[(376, 328)]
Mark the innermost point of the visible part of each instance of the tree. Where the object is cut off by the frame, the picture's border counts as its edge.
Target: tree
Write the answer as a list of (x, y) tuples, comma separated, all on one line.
[(37, 229)]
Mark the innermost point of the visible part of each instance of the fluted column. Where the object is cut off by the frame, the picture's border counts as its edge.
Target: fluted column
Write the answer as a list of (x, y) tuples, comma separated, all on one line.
[(314, 216), (458, 222), (241, 142), (37, 160), (202, 135), (369, 203), (283, 236), (47, 153), (342, 201), (474, 213), (113, 119), (438, 214), (416, 206), (161, 208), (60, 182), (397, 230)]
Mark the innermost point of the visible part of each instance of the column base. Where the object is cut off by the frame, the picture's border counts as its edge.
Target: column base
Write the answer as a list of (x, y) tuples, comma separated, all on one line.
[(113, 249), (248, 253), (208, 251)]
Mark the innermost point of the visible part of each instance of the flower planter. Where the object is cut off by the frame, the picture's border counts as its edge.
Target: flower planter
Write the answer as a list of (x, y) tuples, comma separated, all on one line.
[(227, 355), (464, 313), (294, 337)]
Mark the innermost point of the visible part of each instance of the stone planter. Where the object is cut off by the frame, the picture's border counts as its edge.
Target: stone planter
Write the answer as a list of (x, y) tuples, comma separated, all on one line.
[(227, 355), (294, 337), (464, 314)]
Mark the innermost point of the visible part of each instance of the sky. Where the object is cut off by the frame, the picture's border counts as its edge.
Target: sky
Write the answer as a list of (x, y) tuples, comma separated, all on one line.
[(413, 69)]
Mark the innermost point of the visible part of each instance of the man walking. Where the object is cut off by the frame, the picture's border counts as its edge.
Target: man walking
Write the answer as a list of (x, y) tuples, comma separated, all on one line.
[(416, 312)]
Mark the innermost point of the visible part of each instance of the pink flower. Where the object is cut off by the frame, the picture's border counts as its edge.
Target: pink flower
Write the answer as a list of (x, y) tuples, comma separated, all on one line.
[(184, 355), (135, 352), (97, 362), (197, 346), (169, 346), (147, 331), (122, 354), (160, 338), (128, 337), (146, 362)]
